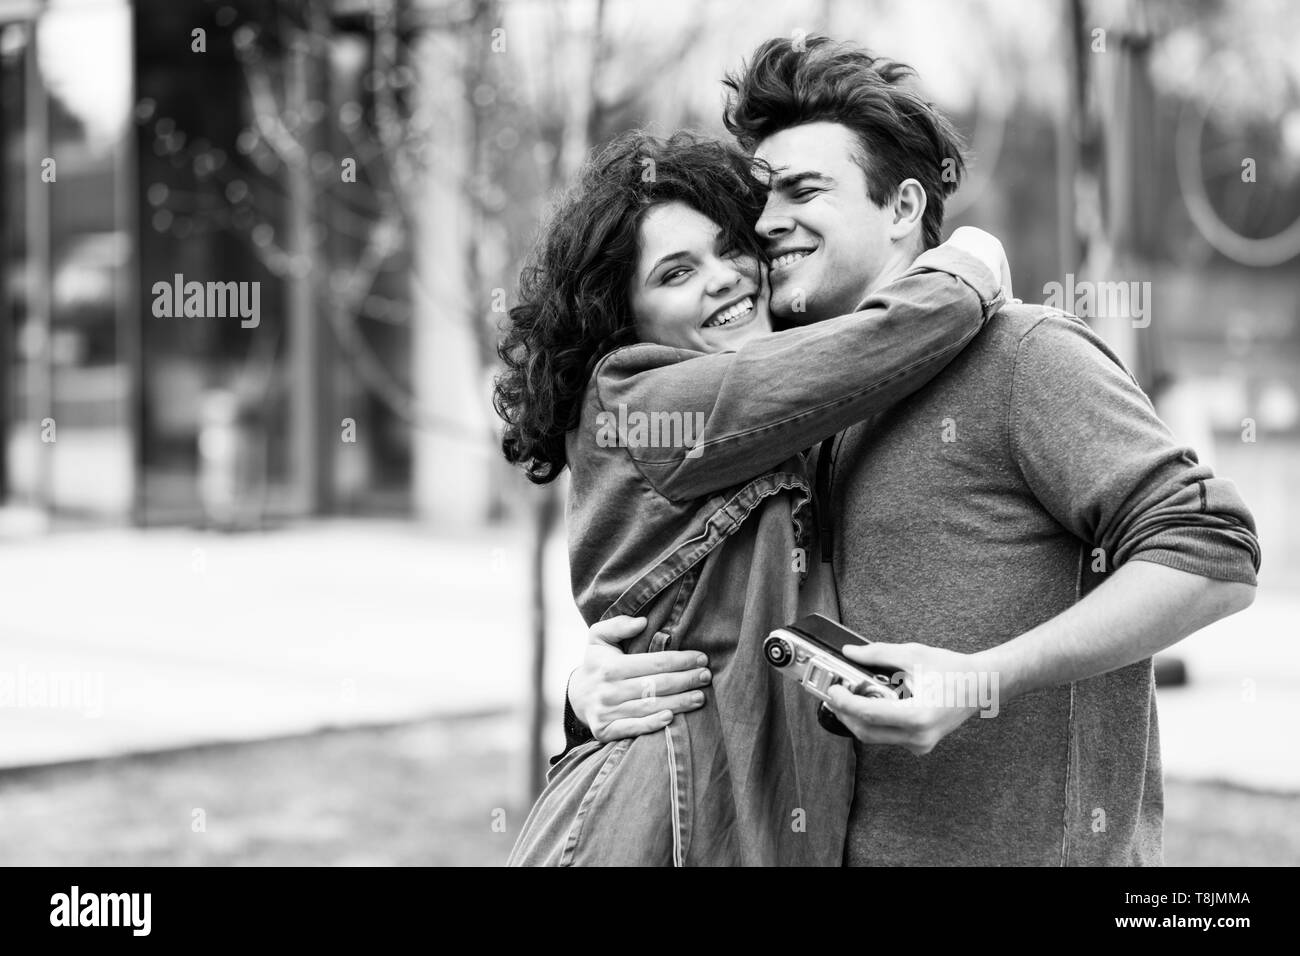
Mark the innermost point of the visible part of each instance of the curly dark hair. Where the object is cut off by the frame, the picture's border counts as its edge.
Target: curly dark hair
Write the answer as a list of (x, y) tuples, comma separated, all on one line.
[(900, 135), (574, 289)]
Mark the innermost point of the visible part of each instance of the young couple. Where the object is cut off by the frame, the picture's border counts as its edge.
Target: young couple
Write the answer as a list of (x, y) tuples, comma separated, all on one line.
[(885, 437)]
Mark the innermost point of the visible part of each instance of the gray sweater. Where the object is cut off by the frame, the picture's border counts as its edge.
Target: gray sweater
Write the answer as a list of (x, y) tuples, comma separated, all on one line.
[(970, 514)]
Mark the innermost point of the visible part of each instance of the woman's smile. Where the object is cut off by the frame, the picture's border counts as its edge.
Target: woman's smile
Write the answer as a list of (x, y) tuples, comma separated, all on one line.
[(738, 313)]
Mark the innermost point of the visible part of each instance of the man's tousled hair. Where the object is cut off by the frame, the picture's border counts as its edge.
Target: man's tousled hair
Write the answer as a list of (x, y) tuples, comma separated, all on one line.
[(900, 135)]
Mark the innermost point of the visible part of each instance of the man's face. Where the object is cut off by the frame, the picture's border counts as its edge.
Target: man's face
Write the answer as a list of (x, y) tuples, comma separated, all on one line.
[(828, 241)]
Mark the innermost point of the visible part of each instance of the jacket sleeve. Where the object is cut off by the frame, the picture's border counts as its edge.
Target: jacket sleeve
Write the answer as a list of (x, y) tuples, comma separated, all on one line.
[(753, 408), (1091, 448), (576, 732)]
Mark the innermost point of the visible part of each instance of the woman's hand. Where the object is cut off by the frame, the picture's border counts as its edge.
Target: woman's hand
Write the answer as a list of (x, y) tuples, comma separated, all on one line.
[(621, 695), (985, 247)]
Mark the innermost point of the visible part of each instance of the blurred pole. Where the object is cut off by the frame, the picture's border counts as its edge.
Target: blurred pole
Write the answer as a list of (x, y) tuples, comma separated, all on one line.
[(1125, 104), (310, 460), (546, 510), (130, 318), (450, 489), (7, 323), (1069, 139), (39, 278)]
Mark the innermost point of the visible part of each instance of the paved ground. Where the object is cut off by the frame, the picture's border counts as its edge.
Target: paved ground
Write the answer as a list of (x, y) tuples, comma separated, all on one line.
[(175, 637), (168, 638), (436, 792)]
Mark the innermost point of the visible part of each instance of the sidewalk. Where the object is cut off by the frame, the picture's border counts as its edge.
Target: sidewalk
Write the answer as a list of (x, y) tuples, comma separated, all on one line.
[(177, 637), (169, 638)]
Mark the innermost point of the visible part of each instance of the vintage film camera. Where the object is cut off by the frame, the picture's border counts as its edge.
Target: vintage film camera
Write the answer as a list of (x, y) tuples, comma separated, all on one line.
[(810, 651)]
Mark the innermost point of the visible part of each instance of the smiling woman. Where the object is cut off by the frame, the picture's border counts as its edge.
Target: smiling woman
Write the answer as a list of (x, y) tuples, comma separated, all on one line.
[(706, 295), (654, 243)]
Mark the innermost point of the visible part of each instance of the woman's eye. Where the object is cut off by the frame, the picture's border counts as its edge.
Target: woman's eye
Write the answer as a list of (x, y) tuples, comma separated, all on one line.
[(675, 274)]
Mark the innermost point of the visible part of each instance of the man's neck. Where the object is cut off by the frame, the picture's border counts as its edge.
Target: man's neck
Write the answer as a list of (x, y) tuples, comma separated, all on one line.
[(892, 269)]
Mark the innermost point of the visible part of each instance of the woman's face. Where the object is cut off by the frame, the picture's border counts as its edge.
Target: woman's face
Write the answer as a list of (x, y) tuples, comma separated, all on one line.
[(689, 291)]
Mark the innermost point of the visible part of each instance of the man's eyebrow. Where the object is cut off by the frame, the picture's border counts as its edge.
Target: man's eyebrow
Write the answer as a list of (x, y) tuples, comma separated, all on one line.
[(790, 180)]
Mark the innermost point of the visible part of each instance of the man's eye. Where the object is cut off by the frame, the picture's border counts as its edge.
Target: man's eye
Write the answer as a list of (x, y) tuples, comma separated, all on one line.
[(805, 194)]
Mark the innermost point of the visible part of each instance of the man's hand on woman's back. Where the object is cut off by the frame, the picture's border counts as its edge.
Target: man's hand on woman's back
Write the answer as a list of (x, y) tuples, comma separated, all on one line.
[(621, 695)]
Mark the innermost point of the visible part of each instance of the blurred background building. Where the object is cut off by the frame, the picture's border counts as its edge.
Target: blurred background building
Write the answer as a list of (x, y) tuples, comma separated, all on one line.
[(380, 167)]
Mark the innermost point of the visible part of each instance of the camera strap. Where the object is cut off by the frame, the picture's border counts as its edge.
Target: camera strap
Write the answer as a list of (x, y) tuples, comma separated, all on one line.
[(822, 497)]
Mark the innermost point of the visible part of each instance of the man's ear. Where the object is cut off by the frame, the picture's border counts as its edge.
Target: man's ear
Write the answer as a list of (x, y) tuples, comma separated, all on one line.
[(908, 209)]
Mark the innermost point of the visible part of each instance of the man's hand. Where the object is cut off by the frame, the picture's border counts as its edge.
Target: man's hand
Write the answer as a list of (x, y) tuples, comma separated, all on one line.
[(919, 723), (625, 695)]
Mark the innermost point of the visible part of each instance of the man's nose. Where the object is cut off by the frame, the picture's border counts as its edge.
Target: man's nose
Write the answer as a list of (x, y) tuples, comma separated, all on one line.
[(772, 224)]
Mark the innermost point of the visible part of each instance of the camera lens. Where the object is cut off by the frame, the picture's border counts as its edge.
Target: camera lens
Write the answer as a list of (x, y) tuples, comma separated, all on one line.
[(778, 651)]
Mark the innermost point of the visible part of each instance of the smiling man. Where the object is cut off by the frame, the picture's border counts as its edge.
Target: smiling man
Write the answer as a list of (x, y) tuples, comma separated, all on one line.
[(1024, 517), (825, 231), (1024, 521)]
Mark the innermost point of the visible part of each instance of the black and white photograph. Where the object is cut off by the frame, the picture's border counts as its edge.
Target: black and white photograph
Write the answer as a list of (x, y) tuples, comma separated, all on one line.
[(701, 433)]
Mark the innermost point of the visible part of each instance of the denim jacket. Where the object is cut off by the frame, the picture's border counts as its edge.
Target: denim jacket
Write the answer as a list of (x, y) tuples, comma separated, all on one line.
[(750, 778)]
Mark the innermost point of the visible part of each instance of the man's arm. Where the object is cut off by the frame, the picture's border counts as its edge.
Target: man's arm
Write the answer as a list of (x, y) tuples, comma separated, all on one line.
[(782, 393), (1139, 611), (1142, 609), (1095, 455)]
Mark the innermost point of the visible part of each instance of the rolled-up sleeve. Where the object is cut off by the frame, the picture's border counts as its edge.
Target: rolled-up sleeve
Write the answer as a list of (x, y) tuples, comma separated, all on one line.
[(1088, 442)]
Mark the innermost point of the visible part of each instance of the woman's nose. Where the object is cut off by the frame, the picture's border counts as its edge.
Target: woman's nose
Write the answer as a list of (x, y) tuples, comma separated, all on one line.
[(724, 275)]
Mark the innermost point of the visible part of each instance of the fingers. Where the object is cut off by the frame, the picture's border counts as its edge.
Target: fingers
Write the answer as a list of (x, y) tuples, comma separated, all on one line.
[(615, 630), (648, 706), (644, 707), (879, 654), (661, 685), (617, 708), (634, 667), (635, 726), (645, 715), (888, 717), (635, 717)]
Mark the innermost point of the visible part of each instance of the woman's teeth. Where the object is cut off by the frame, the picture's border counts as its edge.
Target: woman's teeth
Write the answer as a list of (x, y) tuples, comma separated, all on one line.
[(789, 259), (743, 307)]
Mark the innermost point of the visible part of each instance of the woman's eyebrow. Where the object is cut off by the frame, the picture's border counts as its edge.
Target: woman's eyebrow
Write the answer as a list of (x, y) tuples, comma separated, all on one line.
[(668, 258)]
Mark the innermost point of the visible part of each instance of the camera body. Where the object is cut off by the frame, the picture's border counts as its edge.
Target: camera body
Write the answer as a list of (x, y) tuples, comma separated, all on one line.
[(811, 652)]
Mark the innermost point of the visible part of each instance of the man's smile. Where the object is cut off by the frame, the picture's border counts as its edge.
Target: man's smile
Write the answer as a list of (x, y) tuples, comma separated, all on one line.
[(789, 259)]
